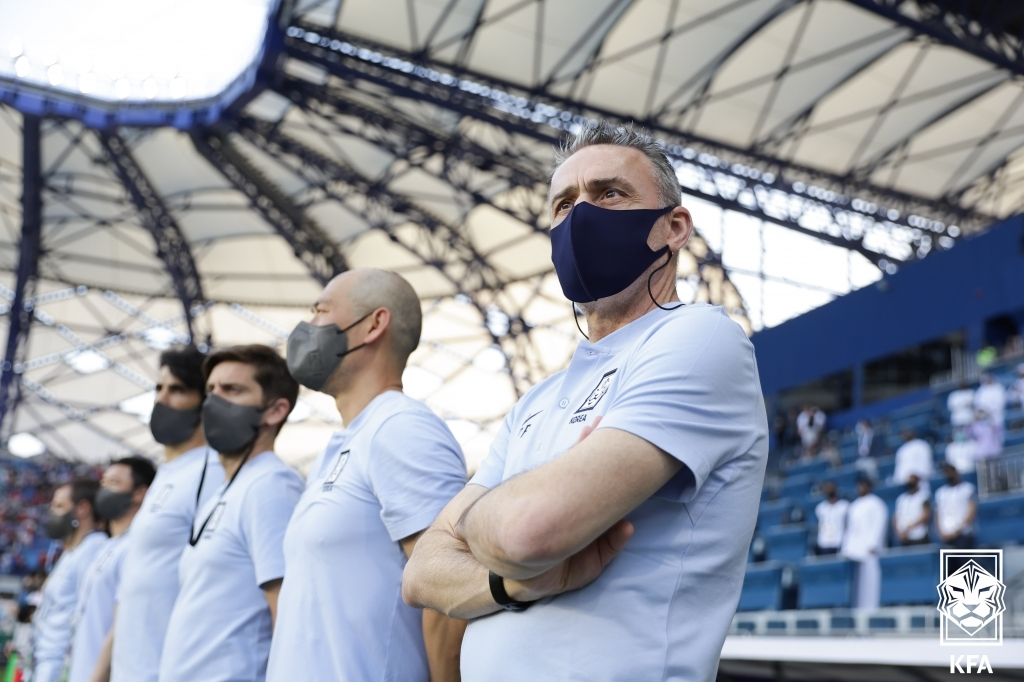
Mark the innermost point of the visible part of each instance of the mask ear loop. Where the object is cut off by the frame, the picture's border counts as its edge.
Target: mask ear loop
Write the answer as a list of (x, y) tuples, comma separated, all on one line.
[(651, 294), (576, 319)]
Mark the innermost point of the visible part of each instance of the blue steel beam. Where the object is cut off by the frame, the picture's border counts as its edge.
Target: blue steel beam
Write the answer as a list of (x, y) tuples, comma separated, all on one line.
[(29, 250)]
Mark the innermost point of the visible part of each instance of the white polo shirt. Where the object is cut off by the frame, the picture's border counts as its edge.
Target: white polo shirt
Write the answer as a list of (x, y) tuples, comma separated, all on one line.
[(95, 611), (831, 522), (52, 622), (220, 626), (149, 574), (340, 614), (909, 508), (687, 382), (952, 505)]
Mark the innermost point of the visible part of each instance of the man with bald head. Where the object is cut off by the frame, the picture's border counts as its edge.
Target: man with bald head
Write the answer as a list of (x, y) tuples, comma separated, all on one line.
[(376, 486)]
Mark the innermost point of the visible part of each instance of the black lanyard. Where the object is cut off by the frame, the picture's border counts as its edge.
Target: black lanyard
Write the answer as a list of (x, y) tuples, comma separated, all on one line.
[(193, 537)]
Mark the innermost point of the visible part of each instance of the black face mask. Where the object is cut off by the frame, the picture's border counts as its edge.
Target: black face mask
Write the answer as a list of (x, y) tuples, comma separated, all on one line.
[(111, 505), (315, 352), (170, 426), (230, 428), (60, 526)]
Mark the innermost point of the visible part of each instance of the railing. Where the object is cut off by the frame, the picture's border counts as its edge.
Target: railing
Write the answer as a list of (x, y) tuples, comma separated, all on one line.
[(1004, 474)]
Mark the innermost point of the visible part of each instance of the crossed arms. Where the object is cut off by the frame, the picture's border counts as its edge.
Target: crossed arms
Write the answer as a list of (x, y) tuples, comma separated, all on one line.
[(546, 531)]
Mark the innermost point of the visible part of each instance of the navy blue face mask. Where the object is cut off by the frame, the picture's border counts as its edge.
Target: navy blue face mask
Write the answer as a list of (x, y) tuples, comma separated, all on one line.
[(598, 252)]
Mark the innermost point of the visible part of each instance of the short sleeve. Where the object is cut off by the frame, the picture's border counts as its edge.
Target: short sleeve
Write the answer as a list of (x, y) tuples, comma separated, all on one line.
[(492, 469), (691, 388), (415, 468), (266, 511)]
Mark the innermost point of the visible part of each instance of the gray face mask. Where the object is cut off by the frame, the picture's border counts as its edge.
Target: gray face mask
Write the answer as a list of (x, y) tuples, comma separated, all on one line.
[(111, 505), (314, 353), (170, 426), (59, 527), (230, 428)]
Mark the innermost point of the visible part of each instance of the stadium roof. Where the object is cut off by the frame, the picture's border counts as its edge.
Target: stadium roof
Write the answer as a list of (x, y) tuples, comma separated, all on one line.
[(825, 141)]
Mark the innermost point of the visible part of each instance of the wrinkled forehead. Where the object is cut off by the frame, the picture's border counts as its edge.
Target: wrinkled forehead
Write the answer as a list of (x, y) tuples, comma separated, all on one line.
[(602, 161)]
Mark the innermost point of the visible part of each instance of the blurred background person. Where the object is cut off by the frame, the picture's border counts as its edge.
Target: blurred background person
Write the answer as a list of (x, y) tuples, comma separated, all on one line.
[(956, 507), (960, 404), (913, 457), (74, 521), (960, 451), (118, 499), (188, 478), (986, 434), (991, 397), (866, 524), (913, 514), (866, 446), (1015, 396), (831, 515), (810, 425)]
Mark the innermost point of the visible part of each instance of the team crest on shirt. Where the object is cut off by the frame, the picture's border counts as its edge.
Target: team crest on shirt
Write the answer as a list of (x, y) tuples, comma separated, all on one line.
[(339, 466), (599, 391), (161, 497), (215, 517)]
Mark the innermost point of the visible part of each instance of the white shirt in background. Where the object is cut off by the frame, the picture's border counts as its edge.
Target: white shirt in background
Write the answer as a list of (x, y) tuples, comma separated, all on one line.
[(960, 453), (810, 426), (95, 613), (909, 508), (913, 457), (992, 399), (866, 529), (52, 622), (831, 522), (960, 404), (952, 505), (149, 575)]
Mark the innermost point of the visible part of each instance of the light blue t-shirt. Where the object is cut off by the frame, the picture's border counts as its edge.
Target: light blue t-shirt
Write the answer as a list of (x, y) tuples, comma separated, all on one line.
[(95, 611), (52, 622), (340, 613), (220, 625), (686, 381), (149, 575)]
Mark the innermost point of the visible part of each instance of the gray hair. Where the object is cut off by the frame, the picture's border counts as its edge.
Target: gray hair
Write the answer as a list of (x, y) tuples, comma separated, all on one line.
[(382, 289), (669, 191)]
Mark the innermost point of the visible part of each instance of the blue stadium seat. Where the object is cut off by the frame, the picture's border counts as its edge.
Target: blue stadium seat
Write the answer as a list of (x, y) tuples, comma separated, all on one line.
[(909, 575), (886, 466), (773, 513), (796, 486), (889, 493), (815, 469), (1001, 520), (762, 587), (786, 543), (845, 479), (1013, 438), (826, 582)]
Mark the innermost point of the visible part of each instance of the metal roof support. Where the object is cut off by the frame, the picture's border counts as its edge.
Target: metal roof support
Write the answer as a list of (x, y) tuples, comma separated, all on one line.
[(308, 240), (30, 247), (543, 117), (171, 246), (992, 30)]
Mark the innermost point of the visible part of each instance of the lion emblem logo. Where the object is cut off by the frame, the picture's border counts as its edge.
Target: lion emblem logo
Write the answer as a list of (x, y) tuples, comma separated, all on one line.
[(971, 597)]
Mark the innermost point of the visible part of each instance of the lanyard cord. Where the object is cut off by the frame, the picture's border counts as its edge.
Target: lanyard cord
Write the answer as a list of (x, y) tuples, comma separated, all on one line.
[(193, 537)]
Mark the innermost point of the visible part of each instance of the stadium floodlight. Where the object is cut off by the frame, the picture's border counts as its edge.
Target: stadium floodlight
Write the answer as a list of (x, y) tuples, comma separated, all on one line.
[(25, 445), (122, 61)]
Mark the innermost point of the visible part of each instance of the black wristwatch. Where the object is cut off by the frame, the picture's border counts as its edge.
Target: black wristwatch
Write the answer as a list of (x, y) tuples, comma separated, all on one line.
[(501, 596)]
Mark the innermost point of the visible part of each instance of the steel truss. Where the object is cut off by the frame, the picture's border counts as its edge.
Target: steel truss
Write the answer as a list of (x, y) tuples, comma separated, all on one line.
[(171, 246), (886, 226)]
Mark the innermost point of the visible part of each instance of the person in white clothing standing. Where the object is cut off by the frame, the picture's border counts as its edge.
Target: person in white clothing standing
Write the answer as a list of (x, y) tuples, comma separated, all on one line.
[(913, 514), (831, 514), (991, 397), (187, 479), (866, 524), (369, 496), (913, 457), (960, 404), (230, 574), (121, 492), (72, 520), (955, 510)]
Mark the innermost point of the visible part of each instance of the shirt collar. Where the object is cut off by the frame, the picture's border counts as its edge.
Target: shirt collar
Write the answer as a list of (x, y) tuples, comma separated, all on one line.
[(626, 335)]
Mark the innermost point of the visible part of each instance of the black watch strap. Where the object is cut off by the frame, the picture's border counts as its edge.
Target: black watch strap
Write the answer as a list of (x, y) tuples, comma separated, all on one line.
[(501, 596)]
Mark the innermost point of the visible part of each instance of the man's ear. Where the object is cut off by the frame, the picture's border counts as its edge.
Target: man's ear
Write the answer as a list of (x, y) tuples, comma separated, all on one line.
[(679, 229), (139, 494), (380, 320), (277, 411)]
